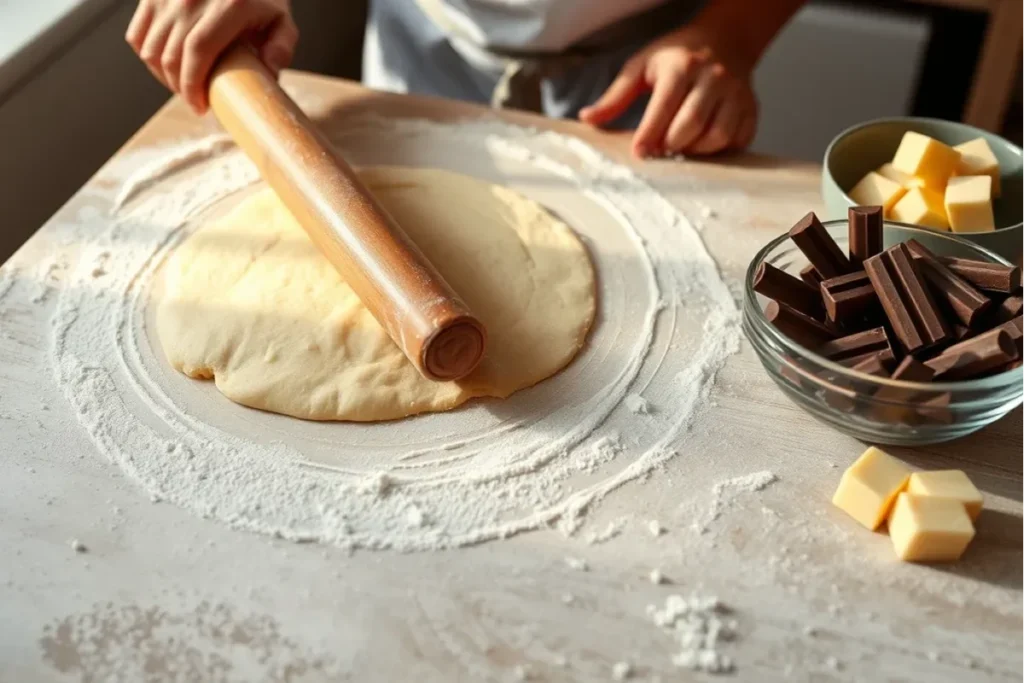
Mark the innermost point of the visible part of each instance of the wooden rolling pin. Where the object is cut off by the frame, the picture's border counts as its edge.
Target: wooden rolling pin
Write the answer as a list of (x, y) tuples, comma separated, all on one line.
[(389, 274)]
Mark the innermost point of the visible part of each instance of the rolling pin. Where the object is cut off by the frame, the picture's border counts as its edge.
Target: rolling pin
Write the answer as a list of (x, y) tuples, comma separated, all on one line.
[(390, 275)]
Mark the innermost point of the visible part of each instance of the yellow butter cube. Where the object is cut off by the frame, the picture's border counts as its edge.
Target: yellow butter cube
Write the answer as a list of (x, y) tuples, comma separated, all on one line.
[(877, 190), (977, 158), (869, 487), (952, 484), (926, 158), (908, 181), (969, 204), (925, 529), (921, 206)]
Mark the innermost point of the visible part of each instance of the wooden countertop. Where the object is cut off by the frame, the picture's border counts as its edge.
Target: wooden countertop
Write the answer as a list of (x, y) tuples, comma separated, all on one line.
[(816, 598)]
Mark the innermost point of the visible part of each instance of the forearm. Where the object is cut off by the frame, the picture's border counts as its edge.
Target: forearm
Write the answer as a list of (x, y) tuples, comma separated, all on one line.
[(749, 25)]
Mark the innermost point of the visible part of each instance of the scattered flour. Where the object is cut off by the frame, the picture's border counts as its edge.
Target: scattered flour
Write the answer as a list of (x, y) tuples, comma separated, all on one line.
[(261, 476), (724, 493), (622, 671), (698, 624), (638, 405), (577, 563), (613, 529)]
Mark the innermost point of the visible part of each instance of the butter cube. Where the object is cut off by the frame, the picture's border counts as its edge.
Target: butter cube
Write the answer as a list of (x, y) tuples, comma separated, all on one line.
[(877, 190), (926, 158), (907, 181), (869, 487), (952, 484), (921, 206), (977, 158), (925, 529), (969, 203)]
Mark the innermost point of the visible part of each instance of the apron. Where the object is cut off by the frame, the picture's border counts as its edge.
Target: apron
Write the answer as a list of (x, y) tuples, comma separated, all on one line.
[(414, 46)]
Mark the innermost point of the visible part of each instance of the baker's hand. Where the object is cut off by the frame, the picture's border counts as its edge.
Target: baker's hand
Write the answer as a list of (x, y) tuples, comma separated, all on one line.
[(701, 98), (180, 40)]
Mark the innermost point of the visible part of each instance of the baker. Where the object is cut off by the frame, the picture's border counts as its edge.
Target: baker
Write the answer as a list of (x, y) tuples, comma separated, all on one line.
[(678, 72)]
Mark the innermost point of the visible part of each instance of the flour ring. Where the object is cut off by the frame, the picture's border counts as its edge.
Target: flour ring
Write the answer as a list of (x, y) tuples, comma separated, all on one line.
[(505, 475)]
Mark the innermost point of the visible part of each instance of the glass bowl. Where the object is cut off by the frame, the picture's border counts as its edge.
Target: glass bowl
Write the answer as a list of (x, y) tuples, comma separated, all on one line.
[(869, 408)]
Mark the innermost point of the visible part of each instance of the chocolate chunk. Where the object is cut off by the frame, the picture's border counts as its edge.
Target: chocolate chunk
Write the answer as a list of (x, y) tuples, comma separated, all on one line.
[(779, 285), (1009, 308), (909, 370), (908, 304), (855, 348), (802, 329), (966, 302), (811, 237), (865, 233), (991, 277), (974, 357), (874, 365), (934, 410), (1014, 328), (809, 275), (912, 370), (847, 296)]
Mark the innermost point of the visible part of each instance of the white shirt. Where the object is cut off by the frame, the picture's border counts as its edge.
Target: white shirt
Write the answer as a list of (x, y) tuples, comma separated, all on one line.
[(542, 25)]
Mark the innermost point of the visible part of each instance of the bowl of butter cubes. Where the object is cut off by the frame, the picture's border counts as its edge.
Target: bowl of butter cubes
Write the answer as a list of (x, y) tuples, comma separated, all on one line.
[(940, 175)]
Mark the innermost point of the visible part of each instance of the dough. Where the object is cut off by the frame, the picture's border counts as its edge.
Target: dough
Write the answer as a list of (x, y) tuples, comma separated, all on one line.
[(249, 301)]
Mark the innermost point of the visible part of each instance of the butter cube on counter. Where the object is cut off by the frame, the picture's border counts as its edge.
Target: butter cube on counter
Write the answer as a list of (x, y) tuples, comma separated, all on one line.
[(921, 206), (926, 158), (907, 181), (968, 204), (874, 189), (977, 158), (927, 529), (951, 484), (870, 485)]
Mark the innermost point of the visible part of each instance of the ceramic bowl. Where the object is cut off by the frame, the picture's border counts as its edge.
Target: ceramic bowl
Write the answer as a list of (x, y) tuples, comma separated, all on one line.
[(867, 146), (872, 409)]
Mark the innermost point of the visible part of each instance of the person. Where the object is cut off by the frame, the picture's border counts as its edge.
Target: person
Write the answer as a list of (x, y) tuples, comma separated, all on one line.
[(676, 72)]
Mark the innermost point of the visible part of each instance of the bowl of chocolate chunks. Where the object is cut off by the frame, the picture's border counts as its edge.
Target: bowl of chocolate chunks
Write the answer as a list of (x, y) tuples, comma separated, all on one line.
[(941, 175), (890, 333)]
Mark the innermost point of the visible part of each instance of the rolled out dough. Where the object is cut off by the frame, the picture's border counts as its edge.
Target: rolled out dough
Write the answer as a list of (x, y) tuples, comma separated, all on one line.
[(249, 301)]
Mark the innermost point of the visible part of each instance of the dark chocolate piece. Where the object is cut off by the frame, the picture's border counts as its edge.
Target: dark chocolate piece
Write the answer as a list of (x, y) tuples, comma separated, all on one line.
[(811, 237), (912, 370), (865, 233), (1014, 328), (854, 348), (991, 277), (1009, 308), (908, 304), (873, 365), (779, 285), (809, 275), (974, 357), (966, 302), (909, 370), (847, 296), (934, 410), (802, 329)]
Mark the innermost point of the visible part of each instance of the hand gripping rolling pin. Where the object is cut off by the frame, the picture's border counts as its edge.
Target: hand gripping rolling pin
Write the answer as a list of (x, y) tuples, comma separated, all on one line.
[(390, 275)]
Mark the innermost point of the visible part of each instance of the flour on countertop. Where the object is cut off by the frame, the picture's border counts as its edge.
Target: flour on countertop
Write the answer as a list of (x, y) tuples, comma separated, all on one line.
[(724, 493), (638, 405), (447, 491), (613, 529), (698, 624)]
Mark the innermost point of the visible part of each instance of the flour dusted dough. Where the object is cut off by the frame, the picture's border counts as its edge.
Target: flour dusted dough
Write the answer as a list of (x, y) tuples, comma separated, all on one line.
[(250, 302)]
